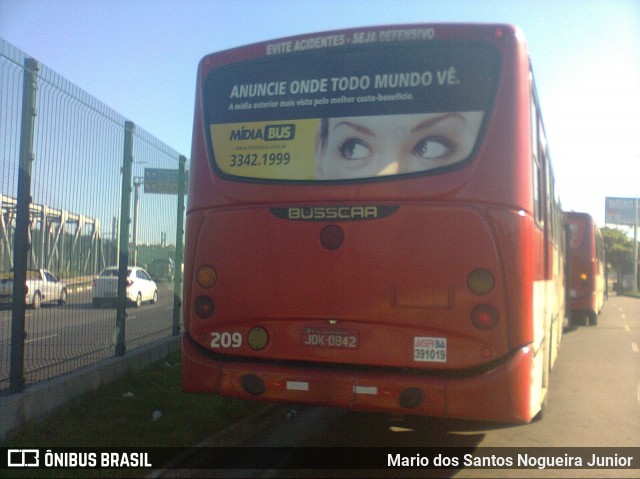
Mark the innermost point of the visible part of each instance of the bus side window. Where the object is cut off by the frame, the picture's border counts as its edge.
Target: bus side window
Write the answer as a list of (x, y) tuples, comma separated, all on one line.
[(537, 174), (537, 193)]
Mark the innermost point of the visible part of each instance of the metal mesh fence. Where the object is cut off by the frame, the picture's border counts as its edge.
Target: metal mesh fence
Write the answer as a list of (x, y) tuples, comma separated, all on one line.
[(75, 163)]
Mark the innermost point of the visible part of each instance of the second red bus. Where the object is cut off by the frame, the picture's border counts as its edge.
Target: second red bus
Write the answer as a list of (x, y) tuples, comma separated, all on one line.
[(587, 268)]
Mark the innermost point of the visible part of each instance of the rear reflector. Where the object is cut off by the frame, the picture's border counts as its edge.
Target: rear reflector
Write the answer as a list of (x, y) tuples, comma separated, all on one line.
[(331, 237), (297, 386)]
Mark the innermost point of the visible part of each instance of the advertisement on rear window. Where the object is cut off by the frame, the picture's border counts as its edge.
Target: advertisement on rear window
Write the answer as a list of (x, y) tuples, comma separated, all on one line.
[(350, 112)]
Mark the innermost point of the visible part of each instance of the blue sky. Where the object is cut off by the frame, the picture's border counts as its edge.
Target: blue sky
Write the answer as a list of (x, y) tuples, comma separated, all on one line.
[(140, 58)]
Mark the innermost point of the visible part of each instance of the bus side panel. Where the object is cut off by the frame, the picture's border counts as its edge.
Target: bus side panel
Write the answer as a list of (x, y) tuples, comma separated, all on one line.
[(520, 244), (193, 225), (496, 397), (198, 373), (537, 311)]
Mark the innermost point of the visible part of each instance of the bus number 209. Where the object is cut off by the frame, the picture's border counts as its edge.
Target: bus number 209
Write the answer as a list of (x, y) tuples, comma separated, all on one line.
[(226, 340)]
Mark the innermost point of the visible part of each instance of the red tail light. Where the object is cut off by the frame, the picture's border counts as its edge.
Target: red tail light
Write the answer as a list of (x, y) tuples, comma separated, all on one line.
[(484, 317), (204, 307)]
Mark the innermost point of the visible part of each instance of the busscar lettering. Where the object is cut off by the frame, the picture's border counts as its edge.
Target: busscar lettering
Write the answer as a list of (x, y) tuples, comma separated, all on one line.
[(333, 213)]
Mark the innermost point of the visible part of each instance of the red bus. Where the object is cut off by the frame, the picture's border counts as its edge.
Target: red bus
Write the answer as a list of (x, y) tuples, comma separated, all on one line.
[(587, 268), (373, 224)]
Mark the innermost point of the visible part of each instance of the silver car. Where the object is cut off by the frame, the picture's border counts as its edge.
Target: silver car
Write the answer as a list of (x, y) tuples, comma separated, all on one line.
[(140, 287)]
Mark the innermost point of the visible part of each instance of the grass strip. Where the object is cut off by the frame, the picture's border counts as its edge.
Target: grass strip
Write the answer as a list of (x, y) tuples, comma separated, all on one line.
[(140, 409)]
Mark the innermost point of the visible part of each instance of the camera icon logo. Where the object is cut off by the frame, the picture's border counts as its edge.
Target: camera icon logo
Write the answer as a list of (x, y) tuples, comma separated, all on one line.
[(23, 458)]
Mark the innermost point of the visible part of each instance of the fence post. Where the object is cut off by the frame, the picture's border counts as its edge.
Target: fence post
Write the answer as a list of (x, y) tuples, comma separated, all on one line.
[(125, 220), (21, 238), (177, 278)]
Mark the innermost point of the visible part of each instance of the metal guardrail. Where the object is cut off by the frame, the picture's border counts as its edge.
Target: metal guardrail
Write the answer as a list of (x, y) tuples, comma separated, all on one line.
[(70, 166)]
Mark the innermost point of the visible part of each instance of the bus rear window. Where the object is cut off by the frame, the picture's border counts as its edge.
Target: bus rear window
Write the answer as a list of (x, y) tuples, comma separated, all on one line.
[(350, 113), (578, 227)]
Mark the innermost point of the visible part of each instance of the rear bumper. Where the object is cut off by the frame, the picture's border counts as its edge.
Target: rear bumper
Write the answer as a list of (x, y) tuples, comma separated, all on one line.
[(584, 303), (500, 394)]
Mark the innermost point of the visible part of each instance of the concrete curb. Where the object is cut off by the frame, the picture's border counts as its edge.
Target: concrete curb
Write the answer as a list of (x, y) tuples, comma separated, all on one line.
[(37, 401)]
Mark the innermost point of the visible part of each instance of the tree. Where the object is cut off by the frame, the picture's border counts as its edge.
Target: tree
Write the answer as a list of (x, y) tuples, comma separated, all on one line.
[(619, 250)]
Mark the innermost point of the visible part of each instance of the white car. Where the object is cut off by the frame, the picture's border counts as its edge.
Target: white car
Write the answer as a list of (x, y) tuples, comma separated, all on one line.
[(140, 287), (41, 287)]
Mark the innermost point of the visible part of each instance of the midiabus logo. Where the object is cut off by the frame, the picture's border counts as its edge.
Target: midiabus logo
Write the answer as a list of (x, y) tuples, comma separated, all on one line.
[(281, 132)]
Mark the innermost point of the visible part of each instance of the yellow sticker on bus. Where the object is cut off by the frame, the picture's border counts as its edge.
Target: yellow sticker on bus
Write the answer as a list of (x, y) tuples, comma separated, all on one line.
[(283, 150)]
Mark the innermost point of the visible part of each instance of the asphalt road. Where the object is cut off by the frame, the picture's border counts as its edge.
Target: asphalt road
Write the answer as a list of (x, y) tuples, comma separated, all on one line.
[(62, 338)]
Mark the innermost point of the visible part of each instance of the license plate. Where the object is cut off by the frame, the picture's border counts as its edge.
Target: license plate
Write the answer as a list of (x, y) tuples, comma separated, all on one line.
[(330, 338), (430, 350)]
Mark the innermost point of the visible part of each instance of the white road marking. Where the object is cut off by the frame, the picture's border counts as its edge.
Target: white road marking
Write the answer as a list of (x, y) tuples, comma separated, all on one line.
[(627, 328), (635, 348)]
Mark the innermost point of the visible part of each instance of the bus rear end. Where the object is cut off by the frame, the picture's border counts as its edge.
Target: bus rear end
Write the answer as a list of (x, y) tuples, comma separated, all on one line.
[(360, 227), (587, 278)]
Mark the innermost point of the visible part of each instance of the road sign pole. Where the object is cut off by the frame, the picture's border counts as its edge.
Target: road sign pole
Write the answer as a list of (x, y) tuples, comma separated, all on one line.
[(137, 181)]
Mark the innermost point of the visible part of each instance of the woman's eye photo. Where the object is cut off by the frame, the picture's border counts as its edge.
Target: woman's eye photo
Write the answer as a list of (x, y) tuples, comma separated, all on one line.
[(433, 148), (354, 149)]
